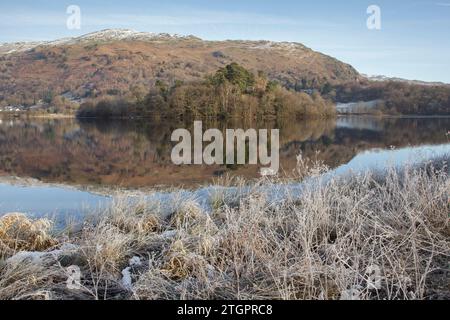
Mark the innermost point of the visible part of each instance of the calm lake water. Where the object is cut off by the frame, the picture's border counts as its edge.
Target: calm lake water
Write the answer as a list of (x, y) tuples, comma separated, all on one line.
[(52, 166)]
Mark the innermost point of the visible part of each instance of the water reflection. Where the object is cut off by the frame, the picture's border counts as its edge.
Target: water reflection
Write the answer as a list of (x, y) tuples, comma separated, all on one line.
[(54, 201), (136, 154)]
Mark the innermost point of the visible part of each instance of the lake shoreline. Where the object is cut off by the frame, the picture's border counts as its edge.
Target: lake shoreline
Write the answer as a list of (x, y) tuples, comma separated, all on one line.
[(155, 116), (18, 189), (33, 116), (367, 221), (83, 160)]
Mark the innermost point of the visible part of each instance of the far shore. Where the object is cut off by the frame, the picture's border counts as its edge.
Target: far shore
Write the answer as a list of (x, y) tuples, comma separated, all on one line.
[(74, 116), (37, 116), (53, 116)]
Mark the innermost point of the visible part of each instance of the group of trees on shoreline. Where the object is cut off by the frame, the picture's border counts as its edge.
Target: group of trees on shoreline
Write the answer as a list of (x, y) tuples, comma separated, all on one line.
[(398, 98), (232, 91)]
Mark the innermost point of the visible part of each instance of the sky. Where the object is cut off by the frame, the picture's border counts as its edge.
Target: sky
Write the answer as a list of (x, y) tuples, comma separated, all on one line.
[(413, 42)]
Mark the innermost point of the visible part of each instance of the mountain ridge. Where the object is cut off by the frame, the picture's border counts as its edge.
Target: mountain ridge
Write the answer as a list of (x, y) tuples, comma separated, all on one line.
[(114, 61), (382, 78), (105, 35)]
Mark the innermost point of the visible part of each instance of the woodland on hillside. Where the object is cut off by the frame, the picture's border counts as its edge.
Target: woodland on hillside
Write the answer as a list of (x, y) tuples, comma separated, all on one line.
[(398, 97), (232, 91), (120, 80)]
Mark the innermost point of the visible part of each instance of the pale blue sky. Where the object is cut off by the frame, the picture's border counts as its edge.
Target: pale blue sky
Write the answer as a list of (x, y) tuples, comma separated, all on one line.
[(413, 42)]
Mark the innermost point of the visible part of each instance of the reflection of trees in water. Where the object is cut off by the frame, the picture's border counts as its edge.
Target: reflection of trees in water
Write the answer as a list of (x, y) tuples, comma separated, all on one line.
[(306, 130), (389, 132), (137, 153), (359, 123), (159, 132), (396, 132)]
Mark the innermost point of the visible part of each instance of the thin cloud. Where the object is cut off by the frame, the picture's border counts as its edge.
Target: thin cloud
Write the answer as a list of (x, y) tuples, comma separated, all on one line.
[(51, 19)]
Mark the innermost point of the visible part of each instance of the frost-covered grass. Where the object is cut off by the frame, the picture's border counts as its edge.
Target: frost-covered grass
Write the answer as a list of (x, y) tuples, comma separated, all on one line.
[(368, 237)]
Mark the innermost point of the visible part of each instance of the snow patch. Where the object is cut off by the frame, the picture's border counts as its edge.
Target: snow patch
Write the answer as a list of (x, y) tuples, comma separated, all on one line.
[(127, 281), (35, 257), (103, 35)]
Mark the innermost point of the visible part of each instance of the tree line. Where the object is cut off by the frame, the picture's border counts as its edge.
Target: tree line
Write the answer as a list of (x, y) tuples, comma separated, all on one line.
[(398, 97), (232, 91)]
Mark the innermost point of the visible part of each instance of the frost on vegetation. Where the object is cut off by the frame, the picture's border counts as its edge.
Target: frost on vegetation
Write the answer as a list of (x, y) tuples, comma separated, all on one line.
[(363, 237)]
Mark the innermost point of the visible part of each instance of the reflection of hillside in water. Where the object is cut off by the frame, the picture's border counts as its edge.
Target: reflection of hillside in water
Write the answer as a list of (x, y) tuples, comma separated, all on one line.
[(359, 123), (137, 153)]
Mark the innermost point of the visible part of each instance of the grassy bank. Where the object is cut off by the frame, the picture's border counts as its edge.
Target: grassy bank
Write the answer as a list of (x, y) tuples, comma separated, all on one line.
[(369, 237)]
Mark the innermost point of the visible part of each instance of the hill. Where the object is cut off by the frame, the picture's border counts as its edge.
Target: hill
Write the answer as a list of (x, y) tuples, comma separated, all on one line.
[(381, 78), (115, 62)]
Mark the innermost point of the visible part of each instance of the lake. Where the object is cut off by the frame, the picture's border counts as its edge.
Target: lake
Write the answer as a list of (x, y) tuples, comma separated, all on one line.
[(70, 166)]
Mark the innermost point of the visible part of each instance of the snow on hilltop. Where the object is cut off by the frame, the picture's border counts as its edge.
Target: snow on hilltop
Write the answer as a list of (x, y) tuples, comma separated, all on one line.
[(381, 78), (103, 35), (127, 34), (132, 35)]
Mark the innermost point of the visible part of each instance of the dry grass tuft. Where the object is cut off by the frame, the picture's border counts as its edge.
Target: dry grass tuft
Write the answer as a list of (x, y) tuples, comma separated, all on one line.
[(106, 247), (180, 263), (30, 282), (18, 233)]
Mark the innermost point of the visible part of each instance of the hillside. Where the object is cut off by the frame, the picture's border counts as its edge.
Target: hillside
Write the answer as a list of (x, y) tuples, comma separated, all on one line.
[(115, 62), (381, 78)]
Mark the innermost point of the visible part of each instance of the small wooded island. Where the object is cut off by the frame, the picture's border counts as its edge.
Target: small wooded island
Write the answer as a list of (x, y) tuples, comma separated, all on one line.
[(232, 91)]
